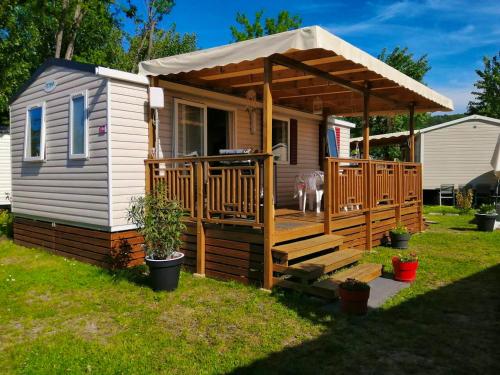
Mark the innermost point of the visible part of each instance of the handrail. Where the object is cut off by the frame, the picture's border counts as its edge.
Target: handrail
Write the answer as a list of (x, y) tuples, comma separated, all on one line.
[(225, 193), (236, 157)]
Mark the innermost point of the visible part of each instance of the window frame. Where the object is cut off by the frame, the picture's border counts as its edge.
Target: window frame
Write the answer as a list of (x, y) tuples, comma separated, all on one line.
[(202, 106), (85, 154), (27, 132), (287, 120)]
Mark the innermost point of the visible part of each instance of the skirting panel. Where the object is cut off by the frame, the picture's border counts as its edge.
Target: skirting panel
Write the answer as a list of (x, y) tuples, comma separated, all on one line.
[(106, 249)]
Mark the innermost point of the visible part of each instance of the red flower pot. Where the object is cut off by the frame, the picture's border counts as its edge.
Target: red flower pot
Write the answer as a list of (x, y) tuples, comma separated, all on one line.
[(404, 271), (354, 301)]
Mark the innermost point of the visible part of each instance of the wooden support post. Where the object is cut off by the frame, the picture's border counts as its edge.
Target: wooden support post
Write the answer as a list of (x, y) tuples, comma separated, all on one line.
[(411, 137), (368, 170), (399, 192), (147, 182), (268, 175), (328, 196), (366, 123), (200, 229)]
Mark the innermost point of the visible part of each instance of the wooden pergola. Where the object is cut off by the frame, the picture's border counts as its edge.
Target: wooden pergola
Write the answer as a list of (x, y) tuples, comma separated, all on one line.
[(296, 79)]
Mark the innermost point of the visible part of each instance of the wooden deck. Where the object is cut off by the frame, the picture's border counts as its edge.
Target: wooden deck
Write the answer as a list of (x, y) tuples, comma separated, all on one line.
[(293, 224)]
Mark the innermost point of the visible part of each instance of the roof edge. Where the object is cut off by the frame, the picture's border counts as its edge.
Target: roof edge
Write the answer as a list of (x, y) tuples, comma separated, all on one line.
[(460, 120), (84, 67)]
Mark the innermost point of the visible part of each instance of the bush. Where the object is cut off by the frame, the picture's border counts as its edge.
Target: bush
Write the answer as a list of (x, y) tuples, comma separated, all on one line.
[(6, 223), (464, 201), (408, 258), (487, 209), (399, 229), (354, 285), (159, 221)]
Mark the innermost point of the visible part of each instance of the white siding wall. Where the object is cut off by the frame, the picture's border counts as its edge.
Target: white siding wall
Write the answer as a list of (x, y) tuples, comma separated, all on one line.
[(345, 145), (459, 154), (5, 186), (60, 189), (307, 146), (129, 140)]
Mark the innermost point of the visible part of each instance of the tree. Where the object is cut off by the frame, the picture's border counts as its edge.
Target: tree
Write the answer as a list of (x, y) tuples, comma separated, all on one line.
[(163, 43), (487, 96), (142, 43), (250, 30), (33, 30), (416, 68)]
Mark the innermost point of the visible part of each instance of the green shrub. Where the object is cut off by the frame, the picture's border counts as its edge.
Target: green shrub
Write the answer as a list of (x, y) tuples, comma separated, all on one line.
[(354, 285), (408, 258), (6, 223), (399, 229), (159, 221), (487, 209), (464, 201)]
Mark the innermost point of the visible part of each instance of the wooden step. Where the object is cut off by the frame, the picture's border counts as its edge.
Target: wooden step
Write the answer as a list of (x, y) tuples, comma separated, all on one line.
[(328, 288), (302, 248), (314, 268), (365, 272)]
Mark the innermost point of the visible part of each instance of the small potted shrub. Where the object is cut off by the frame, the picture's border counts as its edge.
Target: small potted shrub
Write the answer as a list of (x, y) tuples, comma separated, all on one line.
[(354, 296), (405, 267), (399, 236), (160, 223), (486, 217)]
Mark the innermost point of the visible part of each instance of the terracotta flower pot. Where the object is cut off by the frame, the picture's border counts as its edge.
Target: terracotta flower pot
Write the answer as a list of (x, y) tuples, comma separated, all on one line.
[(354, 301), (404, 271)]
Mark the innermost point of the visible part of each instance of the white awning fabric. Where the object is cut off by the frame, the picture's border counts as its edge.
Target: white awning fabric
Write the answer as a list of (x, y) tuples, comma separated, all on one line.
[(306, 38)]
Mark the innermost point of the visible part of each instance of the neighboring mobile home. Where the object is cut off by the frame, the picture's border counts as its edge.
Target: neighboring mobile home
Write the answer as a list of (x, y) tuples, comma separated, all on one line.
[(457, 152), (272, 97), (5, 185)]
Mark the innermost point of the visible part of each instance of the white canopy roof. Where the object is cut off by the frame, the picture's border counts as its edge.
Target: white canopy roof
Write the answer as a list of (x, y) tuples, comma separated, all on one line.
[(306, 38)]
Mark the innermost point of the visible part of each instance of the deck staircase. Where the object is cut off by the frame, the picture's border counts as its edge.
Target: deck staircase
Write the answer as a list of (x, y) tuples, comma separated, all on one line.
[(318, 264)]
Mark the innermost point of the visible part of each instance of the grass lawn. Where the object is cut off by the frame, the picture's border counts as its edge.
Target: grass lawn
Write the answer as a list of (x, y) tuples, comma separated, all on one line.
[(62, 316)]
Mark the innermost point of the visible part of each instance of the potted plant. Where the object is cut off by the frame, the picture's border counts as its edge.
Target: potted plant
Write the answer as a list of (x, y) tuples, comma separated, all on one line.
[(405, 267), (486, 217), (354, 296), (160, 223), (399, 236)]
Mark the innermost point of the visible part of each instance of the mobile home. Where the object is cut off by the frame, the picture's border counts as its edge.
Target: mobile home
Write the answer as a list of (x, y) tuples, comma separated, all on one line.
[(236, 125)]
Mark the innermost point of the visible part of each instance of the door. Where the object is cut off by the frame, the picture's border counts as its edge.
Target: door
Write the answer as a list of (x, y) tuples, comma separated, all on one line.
[(219, 130)]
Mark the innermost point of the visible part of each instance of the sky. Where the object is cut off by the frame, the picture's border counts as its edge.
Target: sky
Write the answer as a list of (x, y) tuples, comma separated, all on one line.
[(455, 34)]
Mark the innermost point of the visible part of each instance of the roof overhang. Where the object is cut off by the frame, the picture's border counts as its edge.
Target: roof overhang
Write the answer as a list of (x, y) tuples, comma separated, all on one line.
[(308, 63)]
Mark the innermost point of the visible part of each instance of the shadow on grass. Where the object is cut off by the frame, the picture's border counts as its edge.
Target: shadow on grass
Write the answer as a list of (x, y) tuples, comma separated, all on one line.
[(452, 330), (138, 275), (462, 229)]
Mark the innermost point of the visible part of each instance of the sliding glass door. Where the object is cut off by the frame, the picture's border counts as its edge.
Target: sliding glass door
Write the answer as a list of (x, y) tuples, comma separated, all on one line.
[(201, 131), (190, 129)]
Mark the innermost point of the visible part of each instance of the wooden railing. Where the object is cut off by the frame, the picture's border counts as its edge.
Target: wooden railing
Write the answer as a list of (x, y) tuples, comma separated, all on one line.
[(228, 187), (362, 185)]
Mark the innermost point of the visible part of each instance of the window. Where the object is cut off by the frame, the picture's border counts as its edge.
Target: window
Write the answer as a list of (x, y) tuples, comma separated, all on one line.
[(34, 142), (191, 129), (78, 132), (281, 141)]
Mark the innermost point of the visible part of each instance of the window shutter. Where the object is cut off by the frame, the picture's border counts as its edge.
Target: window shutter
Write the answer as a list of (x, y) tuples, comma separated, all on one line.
[(337, 135), (293, 141)]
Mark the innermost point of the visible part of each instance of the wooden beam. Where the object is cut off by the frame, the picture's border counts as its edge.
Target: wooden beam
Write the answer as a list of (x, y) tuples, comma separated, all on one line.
[(294, 64), (260, 70), (411, 137), (366, 124), (268, 175)]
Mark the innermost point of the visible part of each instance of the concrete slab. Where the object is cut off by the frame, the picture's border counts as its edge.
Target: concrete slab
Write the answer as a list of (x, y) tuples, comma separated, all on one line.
[(382, 289)]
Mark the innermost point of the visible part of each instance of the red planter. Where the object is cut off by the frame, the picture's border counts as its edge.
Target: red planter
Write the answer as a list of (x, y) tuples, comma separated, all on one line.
[(354, 302), (404, 271)]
